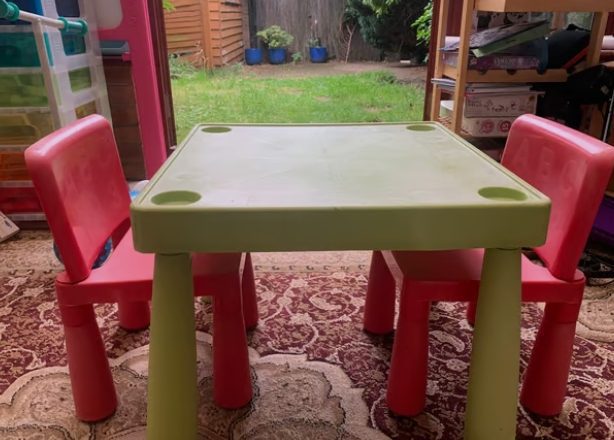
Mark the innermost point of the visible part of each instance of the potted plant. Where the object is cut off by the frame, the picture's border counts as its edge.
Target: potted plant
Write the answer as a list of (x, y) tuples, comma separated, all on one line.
[(253, 55), (317, 52), (276, 40)]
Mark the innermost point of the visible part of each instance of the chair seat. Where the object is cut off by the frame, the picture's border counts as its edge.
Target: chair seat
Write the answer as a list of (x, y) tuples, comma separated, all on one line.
[(127, 276), (455, 276)]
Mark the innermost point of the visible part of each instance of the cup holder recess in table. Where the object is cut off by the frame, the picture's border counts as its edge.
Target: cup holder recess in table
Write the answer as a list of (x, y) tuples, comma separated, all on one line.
[(216, 129), (175, 198), (502, 194), (420, 127)]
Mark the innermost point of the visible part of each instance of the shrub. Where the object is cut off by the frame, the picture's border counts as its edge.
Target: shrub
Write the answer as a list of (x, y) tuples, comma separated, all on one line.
[(314, 42), (297, 57), (275, 37), (387, 24)]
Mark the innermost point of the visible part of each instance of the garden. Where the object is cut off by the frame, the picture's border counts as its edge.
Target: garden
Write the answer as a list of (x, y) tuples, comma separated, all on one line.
[(253, 93), (235, 95)]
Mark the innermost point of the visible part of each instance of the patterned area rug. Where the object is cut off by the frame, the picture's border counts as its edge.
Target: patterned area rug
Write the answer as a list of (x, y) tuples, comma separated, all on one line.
[(316, 374)]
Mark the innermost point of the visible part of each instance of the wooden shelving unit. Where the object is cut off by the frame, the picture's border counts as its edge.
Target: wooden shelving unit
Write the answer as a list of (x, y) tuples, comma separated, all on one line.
[(508, 76), (543, 5), (463, 75)]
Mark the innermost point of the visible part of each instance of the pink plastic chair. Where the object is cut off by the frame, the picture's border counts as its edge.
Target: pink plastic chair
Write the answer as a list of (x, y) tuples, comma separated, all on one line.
[(573, 170), (80, 183)]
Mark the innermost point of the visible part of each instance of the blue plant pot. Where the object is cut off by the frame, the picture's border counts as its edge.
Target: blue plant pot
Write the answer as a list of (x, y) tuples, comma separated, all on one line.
[(277, 55), (318, 54), (253, 56)]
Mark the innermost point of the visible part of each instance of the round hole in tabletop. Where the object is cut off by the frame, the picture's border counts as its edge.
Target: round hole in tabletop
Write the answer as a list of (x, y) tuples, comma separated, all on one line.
[(420, 127), (175, 198), (216, 129), (502, 194)]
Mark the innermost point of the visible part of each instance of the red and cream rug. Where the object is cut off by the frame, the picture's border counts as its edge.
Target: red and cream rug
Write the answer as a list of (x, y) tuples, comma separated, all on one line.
[(316, 374)]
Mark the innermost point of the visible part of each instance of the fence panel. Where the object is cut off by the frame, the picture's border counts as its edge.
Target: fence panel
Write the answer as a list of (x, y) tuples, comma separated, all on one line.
[(296, 16), (184, 27)]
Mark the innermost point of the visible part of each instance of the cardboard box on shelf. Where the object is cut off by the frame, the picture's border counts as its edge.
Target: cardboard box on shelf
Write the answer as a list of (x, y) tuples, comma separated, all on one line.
[(488, 126), (504, 104)]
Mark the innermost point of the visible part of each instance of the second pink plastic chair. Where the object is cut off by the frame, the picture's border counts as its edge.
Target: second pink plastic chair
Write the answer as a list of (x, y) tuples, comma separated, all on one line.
[(78, 177), (572, 169)]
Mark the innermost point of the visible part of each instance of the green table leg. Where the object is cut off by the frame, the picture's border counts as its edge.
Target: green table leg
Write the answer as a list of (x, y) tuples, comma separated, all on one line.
[(495, 359), (172, 389)]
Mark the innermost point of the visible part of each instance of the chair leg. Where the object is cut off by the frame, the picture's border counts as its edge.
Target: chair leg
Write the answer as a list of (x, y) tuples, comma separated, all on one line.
[(248, 292), (545, 381), (134, 315), (92, 384), (471, 308), (406, 394), (380, 300), (232, 386)]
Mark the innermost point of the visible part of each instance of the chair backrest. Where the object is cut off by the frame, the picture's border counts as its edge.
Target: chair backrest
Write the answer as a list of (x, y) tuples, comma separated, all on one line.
[(80, 183), (571, 168)]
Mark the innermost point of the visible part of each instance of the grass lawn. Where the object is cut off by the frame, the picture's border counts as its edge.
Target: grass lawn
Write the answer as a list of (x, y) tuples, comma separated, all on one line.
[(232, 96)]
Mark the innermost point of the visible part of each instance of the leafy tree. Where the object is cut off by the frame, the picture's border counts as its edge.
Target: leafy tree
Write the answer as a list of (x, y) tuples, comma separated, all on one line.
[(380, 7), (423, 25), (387, 25)]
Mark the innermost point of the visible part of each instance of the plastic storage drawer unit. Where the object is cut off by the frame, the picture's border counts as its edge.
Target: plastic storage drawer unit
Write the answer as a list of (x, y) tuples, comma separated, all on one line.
[(22, 89), (19, 199), (13, 166), (24, 126)]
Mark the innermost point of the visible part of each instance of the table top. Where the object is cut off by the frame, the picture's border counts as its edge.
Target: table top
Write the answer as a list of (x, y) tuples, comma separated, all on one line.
[(325, 187)]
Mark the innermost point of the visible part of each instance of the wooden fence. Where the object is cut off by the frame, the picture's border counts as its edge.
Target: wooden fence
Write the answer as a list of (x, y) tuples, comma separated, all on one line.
[(215, 32), (184, 27), (212, 32), (298, 16)]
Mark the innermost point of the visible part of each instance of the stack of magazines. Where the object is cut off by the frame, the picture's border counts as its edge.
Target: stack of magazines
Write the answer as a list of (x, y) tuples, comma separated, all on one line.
[(507, 47), (448, 85)]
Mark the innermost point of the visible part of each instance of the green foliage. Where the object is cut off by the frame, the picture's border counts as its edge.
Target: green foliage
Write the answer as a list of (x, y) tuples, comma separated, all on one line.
[(387, 24), (180, 68), (297, 57), (423, 25), (314, 42), (168, 5), (234, 96), (275, 37), (380, 7), (385, 77)]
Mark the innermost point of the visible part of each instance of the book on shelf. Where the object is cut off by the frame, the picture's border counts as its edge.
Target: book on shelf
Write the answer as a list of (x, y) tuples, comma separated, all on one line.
[(495, 62), (500, 38), (449, 85)]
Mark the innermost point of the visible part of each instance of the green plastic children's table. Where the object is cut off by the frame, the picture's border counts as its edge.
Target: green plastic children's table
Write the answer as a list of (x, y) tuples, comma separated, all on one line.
[(413, 186)]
